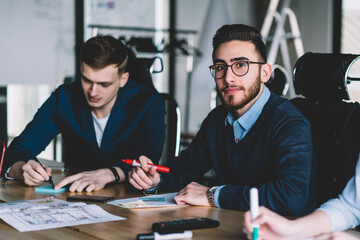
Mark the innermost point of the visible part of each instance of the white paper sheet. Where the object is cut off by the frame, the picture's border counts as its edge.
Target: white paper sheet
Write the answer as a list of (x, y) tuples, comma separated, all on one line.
[(50, 213), (160, 200)]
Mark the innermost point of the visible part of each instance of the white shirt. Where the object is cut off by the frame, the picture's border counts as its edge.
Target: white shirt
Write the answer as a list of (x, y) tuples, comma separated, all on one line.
[(344, 211), (99, 126)]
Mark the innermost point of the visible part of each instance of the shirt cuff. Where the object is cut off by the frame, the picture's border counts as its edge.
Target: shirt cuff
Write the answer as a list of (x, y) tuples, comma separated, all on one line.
[(6, 174), (216, 195), (341, 216)]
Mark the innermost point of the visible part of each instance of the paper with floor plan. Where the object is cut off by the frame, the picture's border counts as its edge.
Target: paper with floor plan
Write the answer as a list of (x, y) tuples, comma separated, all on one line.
[(50, 213), (160, 200)]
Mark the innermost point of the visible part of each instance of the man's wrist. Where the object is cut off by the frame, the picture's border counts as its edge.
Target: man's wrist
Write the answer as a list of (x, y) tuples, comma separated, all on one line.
[(153, 190), (116, 174)]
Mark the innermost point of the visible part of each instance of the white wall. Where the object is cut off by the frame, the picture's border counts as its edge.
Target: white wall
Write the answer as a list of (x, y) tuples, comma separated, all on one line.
[(37, 41), (316, 23)]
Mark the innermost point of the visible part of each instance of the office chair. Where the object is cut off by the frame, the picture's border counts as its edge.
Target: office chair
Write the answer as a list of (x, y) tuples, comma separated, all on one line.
[(140, 70), (322, 80), (173, 126), (278, 80)]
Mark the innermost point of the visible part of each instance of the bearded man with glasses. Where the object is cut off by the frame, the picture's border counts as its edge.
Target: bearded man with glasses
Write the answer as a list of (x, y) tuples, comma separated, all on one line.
[(254, 139)]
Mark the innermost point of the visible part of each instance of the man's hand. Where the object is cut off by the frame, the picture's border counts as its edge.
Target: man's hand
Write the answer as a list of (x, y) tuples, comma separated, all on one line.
[(144, 177), (272, 225), (194, 194), (31, 172), (90, 181)]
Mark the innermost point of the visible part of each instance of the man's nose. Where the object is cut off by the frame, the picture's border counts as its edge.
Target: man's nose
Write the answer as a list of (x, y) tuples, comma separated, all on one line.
[(93, 89), (229, 75)]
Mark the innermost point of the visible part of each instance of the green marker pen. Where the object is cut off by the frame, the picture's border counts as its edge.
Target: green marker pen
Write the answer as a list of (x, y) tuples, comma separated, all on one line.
[(254, 210)]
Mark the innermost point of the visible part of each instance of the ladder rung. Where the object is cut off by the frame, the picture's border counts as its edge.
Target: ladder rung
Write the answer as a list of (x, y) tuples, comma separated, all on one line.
[(286, 36), (353, 78)]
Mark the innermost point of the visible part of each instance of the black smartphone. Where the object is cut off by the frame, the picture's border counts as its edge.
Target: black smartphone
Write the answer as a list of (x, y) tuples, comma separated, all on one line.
[(90, 198)]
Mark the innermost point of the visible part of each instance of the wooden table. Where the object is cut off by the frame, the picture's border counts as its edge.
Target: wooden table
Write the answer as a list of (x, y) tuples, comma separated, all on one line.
[(137, 220)]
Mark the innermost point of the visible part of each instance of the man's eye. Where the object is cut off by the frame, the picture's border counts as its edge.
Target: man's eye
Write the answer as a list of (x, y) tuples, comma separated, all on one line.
[(219, 67), (105, 84), (240, 64)]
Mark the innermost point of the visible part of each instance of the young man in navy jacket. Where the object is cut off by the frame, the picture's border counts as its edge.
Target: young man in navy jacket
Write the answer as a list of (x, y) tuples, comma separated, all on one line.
[(254, 139), (102, 117)]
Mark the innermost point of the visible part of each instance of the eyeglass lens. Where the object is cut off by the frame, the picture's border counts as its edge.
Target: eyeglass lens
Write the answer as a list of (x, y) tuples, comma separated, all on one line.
[(239, 68)]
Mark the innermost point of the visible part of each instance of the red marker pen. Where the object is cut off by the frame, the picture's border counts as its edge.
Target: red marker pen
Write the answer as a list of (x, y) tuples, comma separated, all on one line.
[(136, 163)]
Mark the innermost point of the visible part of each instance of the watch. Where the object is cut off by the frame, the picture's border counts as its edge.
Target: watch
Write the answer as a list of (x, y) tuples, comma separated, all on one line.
[(154, 190), (210, 196)]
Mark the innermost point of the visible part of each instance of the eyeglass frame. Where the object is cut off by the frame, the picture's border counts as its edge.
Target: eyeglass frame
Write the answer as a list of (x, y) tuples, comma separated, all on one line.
[(231, 65)]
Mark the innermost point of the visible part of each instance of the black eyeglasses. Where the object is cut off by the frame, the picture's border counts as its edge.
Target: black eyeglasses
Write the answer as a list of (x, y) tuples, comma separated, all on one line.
[(239, 68)]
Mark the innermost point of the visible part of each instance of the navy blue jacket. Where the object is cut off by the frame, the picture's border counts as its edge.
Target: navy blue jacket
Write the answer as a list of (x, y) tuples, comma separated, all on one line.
[(136, 126), (276, 156)]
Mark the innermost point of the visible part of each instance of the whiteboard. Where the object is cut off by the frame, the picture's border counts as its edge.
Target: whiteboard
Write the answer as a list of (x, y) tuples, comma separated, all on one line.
[(129, 13), (37, 41)]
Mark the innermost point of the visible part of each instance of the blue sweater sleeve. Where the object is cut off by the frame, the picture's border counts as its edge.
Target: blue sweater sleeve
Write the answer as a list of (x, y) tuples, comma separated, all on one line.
[(191, 165), (289, 194)]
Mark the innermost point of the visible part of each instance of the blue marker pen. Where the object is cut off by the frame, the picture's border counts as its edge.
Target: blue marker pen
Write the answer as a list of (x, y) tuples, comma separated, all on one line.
[(254, 210)]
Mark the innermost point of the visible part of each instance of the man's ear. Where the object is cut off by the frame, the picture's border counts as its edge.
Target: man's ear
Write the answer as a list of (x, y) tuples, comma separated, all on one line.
[(265, 72), (124, 78)]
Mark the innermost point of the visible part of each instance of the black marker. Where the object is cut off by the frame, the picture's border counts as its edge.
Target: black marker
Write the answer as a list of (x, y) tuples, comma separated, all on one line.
[(50, 178)]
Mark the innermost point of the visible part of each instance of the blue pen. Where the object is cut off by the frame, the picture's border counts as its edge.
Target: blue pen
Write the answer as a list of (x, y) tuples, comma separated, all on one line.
[(254, 210)]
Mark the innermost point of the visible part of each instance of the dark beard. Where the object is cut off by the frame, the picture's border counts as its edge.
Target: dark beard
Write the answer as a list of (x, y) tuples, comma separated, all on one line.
[(249, 95)]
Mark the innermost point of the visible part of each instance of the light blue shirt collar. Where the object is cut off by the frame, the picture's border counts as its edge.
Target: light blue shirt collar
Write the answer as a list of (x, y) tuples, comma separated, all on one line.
[(243, 124)]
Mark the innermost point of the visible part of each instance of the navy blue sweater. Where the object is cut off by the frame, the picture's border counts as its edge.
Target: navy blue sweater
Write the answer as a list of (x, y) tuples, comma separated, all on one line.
[(136, 126), (276, 156)]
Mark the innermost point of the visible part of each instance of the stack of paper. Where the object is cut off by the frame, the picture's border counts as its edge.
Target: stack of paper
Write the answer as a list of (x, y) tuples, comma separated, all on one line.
[(161, 200), (49, 213)]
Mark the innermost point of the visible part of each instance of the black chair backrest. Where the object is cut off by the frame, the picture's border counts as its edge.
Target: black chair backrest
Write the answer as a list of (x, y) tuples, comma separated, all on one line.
[(278, 80), (335, 124), (140, 70), (172, 134)]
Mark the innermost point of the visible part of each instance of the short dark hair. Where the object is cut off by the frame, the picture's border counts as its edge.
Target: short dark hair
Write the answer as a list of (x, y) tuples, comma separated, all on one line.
[(242, 33), (101, 51)]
